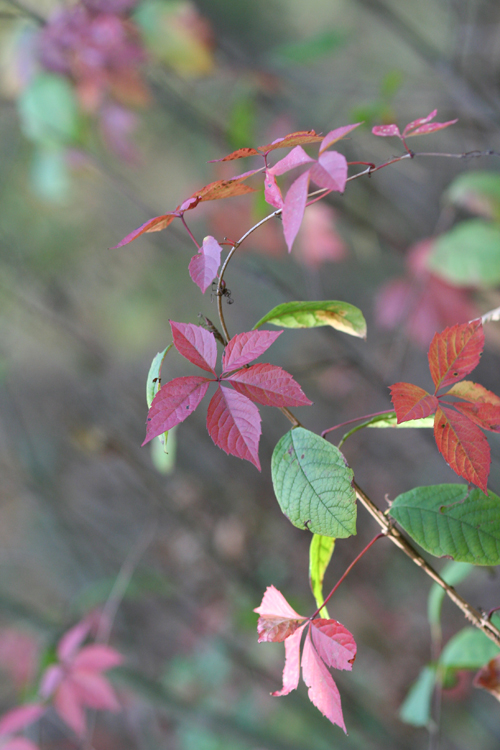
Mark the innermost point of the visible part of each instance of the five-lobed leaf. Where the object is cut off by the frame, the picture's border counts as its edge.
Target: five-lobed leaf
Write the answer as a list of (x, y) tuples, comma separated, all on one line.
[(339, 315), (453, 521)]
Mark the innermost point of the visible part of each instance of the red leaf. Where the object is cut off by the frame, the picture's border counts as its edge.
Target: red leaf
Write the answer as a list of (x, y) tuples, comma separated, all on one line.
[(334, 643), (272, 193), (463, 446), (386, 130), (240, 153), (296, 158), (196, 344), (412, 402), (291, 671), (330, 172), (455, 352), (488, 677), (173, 403), (245, 347), (294, 207), (335, 135), (153, 225), (20, 717), (224, 189), (486, 416), (300, 137), (474, 392), (233, 423), (323, 692), (204, 266), (421, 121), (268, 385), (274, 603)]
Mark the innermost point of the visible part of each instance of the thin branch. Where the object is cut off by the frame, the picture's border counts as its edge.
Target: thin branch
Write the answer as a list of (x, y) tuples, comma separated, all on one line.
[(491, 316), (27, 11), (357, 419)]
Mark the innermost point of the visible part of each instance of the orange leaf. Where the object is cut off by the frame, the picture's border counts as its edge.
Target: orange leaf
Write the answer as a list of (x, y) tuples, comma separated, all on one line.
[(463, 446)]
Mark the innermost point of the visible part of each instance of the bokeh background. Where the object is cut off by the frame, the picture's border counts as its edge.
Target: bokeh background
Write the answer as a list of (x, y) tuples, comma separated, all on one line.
[(110, 111)]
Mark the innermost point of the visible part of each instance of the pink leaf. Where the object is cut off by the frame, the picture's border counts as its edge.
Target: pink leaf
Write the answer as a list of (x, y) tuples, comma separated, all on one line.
[(97, 658), (423, 125), (204, 266), (319, 240), (411, 402), (330, 172), (68, 706), (421, 121), (268, 385), (386, 130), (274, 603), (51, 679), (291, 671), (463, 446), (323, 692), (335, 135), (19, 743), (293, 208), (233, 423), (153, 225), (334, 643), (272, 193), (245, 347), (20, 717), (93, 690), (196, 344), (73, 639), (296, 158), (173, 403), (455, 352)]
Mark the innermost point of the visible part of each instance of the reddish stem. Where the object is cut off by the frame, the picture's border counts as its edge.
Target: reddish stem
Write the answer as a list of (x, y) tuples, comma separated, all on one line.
[(357, 419), (351, 566), (366, 163), (495, 609), (189, 231)]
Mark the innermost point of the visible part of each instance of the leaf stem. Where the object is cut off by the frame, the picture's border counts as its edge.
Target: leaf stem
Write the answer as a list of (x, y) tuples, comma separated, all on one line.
[(189, 231), (351, 566), (357, 419)]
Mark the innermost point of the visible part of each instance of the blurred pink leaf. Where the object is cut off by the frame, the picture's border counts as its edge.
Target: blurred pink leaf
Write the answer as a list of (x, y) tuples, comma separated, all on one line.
[(268, 385), (18, 655), (97, 658), (245, 347), (334, 643), (318, 239), (272, 193), (20, 717), (19, 743), (416, 127), (330, 171), (421, 121), (323, 692), (196, 344), (386, 130), (204, 266), (335, 135), (274, 603), (73, 639), (233, 423), (293, 208), (173, 403), (431, 128), (296, 158)]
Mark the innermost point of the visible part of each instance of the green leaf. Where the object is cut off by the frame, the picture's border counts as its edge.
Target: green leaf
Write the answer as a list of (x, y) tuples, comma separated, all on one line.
[(340, 315), (416, 708), (320, 554), (478, 192), (153, 380), (452, 573), (450, 520), (313, 484), (468, 649), (49, 110), (164, 465), (309, 50), (391, 421), (163, 451), (468, 255)]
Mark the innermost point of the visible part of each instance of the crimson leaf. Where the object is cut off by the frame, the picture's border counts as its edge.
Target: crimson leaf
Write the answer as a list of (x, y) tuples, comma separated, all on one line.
[(463, 446), (455, 352), (173, 403), (245, 347), (233, 423), (412, 402), (196, 344), (268, 385)]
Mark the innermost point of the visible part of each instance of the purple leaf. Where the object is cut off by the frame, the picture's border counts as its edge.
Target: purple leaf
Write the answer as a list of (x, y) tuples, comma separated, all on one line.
[(245, 347), (196, 344), (335, 135), (296, 158), (204, 266), (173, 403), (233, 423), (293, 209), (323, 692), (268, 385), (330, 172)]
